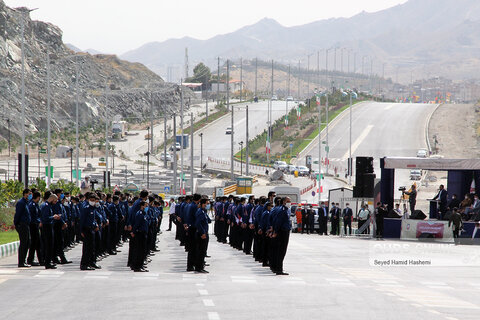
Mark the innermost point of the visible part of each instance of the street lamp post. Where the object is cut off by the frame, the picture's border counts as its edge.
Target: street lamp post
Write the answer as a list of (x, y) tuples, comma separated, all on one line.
[(71, 165), (241, 158), (201, 152), (148, 168), (352, 95), (38, 152)]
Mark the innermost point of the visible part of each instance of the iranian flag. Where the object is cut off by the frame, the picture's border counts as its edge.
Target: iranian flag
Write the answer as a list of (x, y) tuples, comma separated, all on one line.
[(318, 100), (286, 121), (299, 113), (472, 186), (267, 147)]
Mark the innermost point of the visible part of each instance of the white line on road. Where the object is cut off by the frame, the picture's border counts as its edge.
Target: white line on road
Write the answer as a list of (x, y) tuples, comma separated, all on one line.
[(359, 140), (8, 271), (213, 316), (203, 292), (208, 303)]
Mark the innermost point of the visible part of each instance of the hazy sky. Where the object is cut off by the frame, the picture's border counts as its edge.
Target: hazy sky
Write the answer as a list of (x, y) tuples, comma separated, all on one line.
[(116, 26)]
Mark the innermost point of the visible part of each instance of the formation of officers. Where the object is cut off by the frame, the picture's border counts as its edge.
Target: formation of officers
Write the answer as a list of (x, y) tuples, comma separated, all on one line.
[(262, 224), (102, 222)]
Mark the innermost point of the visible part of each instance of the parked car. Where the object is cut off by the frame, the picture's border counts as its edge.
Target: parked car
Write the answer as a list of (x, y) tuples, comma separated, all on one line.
[(167, 156), (228, 130), (422, 153), (89, 167), (280, 165), (176, 146), (126, 172), (416, 174), (291, 168), (274, 97), (303, 171), (289, 98)]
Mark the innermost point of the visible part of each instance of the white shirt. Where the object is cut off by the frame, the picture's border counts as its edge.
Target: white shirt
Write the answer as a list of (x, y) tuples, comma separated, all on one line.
[(172, 208)]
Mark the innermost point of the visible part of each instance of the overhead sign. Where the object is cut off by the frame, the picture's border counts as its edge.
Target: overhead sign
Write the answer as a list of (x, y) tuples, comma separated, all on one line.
[(166, 189), (131, 187)]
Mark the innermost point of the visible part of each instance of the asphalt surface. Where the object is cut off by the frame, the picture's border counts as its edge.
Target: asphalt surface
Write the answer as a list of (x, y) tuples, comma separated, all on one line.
[(378, 130), (330, 278)]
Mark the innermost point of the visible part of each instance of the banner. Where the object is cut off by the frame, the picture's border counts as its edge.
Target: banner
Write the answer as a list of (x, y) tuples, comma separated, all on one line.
[(424, 229)]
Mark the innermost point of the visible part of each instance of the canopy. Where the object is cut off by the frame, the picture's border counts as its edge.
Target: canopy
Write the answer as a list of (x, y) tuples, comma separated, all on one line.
[(432, 163)]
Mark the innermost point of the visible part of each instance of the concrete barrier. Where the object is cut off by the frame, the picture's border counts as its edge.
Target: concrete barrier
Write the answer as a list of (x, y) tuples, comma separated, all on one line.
[(9, 249)]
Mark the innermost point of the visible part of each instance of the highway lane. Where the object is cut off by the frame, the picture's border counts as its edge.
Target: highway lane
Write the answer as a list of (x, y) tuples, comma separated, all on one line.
[(217, 144), (378, 130)]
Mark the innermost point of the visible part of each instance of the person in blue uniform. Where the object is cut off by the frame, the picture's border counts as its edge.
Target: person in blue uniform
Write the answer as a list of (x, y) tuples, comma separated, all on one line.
[(132, 212), (88, 226), (190, 245), (58, 229), (201, 225), (47, 218), (22, 220), (264, 230), (139, 238), (35, 241), (281, 228), (248, 226)]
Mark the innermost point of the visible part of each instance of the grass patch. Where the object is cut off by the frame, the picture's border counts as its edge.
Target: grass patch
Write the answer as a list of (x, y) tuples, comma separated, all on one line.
[(8, 236)]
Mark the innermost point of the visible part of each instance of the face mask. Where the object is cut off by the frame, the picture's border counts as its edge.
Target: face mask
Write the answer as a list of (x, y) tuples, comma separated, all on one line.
[(91, 203), (208, 207), (62, 196), (68, 199), (147, 201), (30, 197)]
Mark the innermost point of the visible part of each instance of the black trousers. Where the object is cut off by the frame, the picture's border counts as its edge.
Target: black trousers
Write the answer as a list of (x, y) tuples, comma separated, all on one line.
[(222, 231), (88, 248), (282, 245), (202, 245), (58, 240), (379, 223), (23, 230), (412, 207), (191, 247), (47, 239), (273, 253), (139, 244), (347, 222), (112, 243), (171, 218), (305, 225), (248, 239), (35, 244), (323, 225), (311, 224), (98, 243)]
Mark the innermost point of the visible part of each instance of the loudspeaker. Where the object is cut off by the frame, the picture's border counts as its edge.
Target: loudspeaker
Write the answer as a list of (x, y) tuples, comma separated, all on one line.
[(363, 165), (418, 215), (364, 186)]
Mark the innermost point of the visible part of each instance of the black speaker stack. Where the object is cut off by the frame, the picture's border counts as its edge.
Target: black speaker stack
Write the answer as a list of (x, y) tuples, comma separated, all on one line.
[(364, 178)]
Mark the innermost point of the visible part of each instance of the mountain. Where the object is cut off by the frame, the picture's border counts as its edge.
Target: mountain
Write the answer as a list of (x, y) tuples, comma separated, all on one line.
[(419, 36), (130, 84)]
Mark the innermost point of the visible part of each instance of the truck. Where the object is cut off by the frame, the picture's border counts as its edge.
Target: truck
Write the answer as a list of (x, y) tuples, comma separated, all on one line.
[(178, 139), (286, 191), (119, 129)]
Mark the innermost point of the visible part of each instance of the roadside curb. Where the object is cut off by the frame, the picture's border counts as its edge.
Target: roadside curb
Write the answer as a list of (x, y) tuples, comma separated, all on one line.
[(427, 128), (9, 249)]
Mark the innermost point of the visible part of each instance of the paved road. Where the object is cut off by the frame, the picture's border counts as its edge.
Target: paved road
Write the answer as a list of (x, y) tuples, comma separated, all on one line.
[(378, 130), (330, 278)]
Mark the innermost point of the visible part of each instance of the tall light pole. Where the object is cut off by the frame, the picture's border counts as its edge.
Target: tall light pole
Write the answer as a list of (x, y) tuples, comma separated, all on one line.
[(201, 151), (151, 123), (247, 161), (181, 138), (350, 160), (218, 80), (165, 139), (49, 119), (107, 145), (308, 75), (328, 120), (232, 175), (174, 146), (241, 158), (256, 75), (286, 100), (191, 153), (77, 79), (241, 79), (326, 68), (319, 154)]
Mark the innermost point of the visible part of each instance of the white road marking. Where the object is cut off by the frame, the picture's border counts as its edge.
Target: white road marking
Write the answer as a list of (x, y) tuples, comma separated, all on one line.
[(95, 277), (208, 303), (3, 280), (213, 316), (200, 284), (51, 272), (434, 311), (340, 282), (203, 292), (359, 140), (390, 106), (8, 271)]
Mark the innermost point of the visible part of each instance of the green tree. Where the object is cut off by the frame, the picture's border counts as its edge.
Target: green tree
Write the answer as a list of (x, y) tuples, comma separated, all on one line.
[(201, 74)]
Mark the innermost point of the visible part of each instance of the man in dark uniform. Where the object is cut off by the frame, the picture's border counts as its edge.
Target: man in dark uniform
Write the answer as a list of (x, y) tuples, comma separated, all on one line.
[(35, 241), (379, 217), (281, 228), (47, 219), (334, 219), (323, 219), (191, 229), (305, 219), (139, 238), (22, 220), (412, 198), (58, 227), (201, 225), (88, 226)]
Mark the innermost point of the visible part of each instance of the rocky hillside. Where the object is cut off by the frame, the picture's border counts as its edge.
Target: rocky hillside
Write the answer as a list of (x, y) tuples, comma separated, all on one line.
[(131, 86)]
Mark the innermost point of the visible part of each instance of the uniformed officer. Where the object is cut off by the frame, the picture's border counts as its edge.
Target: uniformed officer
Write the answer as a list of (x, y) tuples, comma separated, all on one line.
[(35, 241), (263, 230), (281, 228), (190, 227), (89, 226), (47, 218), (201, 224), (22, 220), (139, 238)]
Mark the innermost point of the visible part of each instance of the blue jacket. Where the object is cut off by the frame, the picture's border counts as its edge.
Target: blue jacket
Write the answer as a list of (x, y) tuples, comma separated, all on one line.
[(201, 221), (87, 217), (257, 215), (112, 212), (34, 210), (132, 212), (22, 214), (140, 224), (60, 210), (190, 213), (46, 213), (282, 221), (264, 220)]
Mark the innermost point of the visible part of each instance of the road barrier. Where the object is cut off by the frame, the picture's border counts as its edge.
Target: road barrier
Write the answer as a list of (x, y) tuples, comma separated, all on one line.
[(230, 189), (9, 249), (225, 164)]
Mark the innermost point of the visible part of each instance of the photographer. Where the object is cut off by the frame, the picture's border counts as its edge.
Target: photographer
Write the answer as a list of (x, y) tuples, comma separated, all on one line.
[(412, 198)]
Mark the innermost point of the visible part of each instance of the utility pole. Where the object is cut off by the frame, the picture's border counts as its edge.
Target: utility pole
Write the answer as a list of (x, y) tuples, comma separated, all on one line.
[(247, 162), (165, 138), (232, 175), (256, 75), (286, 100), (186, 63), (77, 80), (191, 154), (151, 123), (320, 152), (201, 152), (174, 154), (318, 69), (308, 75), (22, 161), (326, 68), (182, 174), (218, 80), (241, 79), (328, 121), (298, 79), (49, 119), (107, 182)]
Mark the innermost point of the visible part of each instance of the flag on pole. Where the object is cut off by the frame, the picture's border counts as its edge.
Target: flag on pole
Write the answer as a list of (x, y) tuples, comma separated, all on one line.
[(267, 147), (299, 113), (286, 121), (318, 100), (472, 186)]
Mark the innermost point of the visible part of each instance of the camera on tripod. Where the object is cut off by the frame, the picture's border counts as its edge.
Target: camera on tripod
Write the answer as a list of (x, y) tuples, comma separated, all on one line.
[(402, 188)]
